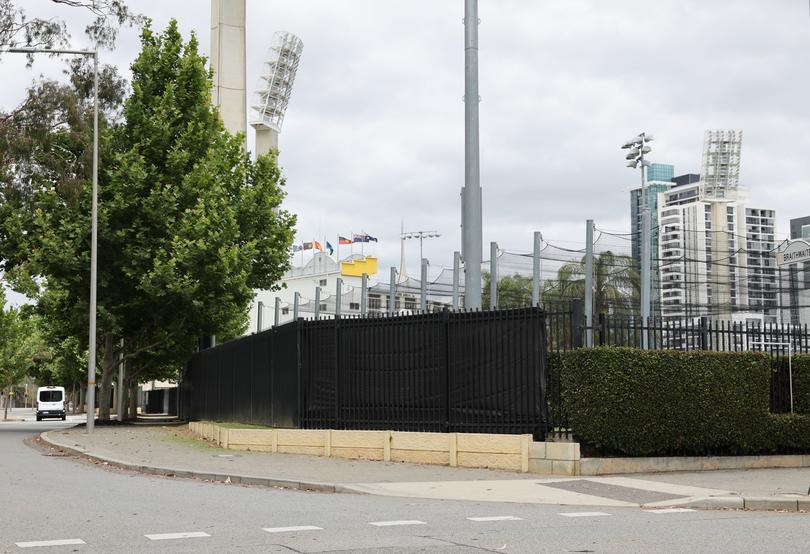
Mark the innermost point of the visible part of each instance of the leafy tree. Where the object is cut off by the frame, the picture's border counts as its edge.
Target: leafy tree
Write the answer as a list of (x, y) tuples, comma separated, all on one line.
[(19, 346), (616, 284), (514, 291)]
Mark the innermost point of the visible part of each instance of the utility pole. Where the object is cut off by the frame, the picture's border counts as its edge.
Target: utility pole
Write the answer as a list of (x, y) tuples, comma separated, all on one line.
[(364, 295), (589, 283), (456, 270), (536, 267), (392, 291), (493, 275), (423, 287), (317, 302), (472, 239)]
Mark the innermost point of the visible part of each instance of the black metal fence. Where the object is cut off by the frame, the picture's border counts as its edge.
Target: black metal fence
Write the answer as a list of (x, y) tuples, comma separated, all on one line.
[(449, 371)]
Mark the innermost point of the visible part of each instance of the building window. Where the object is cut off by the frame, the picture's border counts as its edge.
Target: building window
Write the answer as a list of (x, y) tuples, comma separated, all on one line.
[(354, 305), (322, 283), (323, 307), (285, 311), (374, 303)]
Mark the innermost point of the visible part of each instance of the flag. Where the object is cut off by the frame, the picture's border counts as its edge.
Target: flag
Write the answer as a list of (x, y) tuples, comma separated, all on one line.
[(344, 240), (329, 247), (307, 246), (363, 237), (318, 246), (297, 247), (369, 238)]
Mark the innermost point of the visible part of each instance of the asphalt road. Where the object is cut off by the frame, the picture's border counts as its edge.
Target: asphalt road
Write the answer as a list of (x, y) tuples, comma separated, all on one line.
[(47, 498)]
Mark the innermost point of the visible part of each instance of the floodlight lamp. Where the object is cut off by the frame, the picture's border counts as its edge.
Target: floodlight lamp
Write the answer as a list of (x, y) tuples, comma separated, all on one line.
[(646, 149), (633, 164), (630, 156), (646, 163), (649, 138)]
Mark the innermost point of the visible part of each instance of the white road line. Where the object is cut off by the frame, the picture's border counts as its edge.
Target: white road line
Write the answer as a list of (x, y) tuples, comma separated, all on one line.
[(582, 514), (291, 529), (400, 522), (670, 511), (62, 542), (169, 536), (496, 518)]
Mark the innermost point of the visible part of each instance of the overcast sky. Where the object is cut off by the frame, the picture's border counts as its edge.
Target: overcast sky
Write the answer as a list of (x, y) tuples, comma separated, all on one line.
[(374, 131)]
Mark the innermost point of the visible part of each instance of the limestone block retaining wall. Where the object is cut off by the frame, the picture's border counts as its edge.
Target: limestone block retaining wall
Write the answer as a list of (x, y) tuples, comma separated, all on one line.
[(510, 452)]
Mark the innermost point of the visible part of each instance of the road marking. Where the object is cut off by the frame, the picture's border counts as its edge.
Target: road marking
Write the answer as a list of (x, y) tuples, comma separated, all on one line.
[(62, 542), (400, 522), (169, 536), (670, 511), (291, 529), (496, 518), (582, 514)]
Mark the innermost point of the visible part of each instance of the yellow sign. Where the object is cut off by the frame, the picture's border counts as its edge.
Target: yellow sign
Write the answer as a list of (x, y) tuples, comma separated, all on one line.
[(356, 268)]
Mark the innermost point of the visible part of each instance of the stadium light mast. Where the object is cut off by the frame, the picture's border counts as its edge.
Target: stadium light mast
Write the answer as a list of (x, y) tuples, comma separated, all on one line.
[(472, 238), (274, 89), (639, 147)]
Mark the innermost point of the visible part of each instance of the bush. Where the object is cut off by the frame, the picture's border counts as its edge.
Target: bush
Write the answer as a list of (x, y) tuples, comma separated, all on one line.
[(801, 383), (645, 402), (788, 433)]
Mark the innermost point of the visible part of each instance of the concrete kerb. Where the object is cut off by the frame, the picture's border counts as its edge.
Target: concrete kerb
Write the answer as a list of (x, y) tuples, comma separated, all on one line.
[(231, 478)]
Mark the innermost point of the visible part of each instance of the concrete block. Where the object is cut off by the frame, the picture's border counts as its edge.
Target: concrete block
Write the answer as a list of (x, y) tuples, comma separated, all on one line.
[(387, 447), (771, 503), (496, 444), (541, 467), (491, 460), (537, 450), (359, 439), (565, 467), (327, 443), (803, 504), (420, 457), (453, 445), (250, 437), (293, 449), (524, 453), (403, 440), (357, 453), (300, 437), (562, 451)]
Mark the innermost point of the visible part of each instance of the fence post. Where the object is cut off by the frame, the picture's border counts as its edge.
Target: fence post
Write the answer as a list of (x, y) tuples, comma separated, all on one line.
[(338, 296), (296, 305), (601, 329), (392, 291), (538, 246), (364, 295), (277, 312), (317, 302), (456, 272), (589, 282), (704, 332), (493, 275), (423, 287), (259, 318), (577, 322)]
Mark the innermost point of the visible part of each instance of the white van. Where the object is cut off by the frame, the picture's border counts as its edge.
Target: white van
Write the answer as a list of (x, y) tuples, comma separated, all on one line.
[(51, 402)]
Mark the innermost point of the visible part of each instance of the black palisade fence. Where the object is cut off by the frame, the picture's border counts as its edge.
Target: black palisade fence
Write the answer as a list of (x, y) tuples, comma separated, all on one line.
[(477, 372)]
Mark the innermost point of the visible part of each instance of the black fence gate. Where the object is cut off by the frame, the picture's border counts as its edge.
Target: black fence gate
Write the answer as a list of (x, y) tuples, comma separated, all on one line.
[(481, 371)]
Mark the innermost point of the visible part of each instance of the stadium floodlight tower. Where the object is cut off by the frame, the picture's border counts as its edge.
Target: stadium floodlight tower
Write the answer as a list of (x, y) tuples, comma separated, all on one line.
[(274, 89)]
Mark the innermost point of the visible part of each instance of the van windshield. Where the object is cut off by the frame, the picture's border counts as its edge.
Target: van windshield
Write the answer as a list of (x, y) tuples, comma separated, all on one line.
[(50, 396)]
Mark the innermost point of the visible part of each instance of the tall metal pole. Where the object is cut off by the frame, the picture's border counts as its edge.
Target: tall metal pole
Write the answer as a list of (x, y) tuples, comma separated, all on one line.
[(259, 310), (296, 305), (338, 296), (472, 238), (589, 282), (423, 287), (364, 295), (645, 257), (317, 302), (392, 291), (493, 275), (456, 271), (91, 357), (277, 312), (538, 246)]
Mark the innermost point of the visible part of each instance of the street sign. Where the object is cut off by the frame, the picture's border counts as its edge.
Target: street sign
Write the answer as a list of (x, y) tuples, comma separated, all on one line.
[(795, 252)]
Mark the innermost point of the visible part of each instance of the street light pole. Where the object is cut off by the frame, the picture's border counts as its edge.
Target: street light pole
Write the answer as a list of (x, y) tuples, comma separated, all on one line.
[(421, 235), (91, 357), (639, 147)]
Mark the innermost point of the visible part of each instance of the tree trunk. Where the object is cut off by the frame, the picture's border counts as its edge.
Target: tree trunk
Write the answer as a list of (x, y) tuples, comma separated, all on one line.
[(107, 372), (133, 399), (5, 406)]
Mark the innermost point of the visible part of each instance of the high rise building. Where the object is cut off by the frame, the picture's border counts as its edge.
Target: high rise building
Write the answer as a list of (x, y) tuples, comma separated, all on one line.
[(798, 277), (715, 252)]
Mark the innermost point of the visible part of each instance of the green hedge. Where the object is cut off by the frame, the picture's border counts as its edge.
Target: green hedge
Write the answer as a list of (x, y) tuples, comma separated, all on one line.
[(644, 403), (801, 383)]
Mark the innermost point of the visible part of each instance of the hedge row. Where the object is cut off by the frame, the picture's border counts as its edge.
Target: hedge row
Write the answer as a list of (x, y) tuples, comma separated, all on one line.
[(645, 402)]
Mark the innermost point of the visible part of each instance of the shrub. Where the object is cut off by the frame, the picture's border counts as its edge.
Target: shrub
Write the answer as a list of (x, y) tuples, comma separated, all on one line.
[(801, 383), (646, 402)]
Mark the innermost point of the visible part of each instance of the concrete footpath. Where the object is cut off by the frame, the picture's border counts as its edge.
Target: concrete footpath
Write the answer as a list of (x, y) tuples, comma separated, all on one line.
[(173, 451)]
